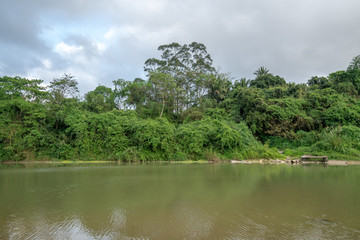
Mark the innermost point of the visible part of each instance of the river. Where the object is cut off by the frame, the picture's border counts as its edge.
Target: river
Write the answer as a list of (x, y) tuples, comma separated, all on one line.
[(180, 201)]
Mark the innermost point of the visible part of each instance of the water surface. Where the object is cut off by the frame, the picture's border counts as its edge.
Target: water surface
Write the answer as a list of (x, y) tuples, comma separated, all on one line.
[(190, 201)]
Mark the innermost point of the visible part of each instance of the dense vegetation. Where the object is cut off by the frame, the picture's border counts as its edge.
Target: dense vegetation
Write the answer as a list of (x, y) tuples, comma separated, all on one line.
[(185, 109)]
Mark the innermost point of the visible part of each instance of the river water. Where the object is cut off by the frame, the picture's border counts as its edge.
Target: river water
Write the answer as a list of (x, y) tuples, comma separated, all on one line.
[(180, 201)]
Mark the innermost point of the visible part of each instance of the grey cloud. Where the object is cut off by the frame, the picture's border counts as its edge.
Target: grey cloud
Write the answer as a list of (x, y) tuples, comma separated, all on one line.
[(19, 27), (89, 48), (294, 39)]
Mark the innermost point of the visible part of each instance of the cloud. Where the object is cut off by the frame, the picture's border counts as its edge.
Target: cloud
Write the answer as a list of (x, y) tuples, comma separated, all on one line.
[(99, 42), (66, 50), (47, 63), (110, 33)]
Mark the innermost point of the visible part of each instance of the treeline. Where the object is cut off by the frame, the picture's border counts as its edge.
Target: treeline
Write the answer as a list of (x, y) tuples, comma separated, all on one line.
[(185, 109)]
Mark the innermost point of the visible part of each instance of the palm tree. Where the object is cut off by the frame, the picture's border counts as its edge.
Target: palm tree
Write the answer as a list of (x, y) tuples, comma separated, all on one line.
[(261, 71), (244, 82)]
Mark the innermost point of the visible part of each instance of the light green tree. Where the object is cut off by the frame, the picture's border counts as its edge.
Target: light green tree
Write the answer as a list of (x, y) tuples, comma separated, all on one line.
[(164, 86), (64, 87)]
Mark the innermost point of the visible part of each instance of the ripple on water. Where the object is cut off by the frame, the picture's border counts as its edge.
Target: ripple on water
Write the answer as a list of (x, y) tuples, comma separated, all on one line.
[(117, 219), (323, 228), (247, 228), (193, 222)]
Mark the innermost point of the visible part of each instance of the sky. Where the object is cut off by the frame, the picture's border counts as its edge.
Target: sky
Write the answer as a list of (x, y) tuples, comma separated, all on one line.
[(101, 41)]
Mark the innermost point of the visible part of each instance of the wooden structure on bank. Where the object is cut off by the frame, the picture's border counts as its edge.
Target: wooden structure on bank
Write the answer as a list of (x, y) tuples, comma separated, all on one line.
[(314, 158)]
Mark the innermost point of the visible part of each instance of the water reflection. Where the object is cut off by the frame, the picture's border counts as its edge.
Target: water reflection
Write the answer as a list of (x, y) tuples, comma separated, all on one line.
[(180, 202)]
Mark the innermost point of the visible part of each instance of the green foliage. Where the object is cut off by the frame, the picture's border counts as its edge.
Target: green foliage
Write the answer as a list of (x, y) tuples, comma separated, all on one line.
[(164, 86), (341, 114), (261, 71), (345, 82), (211, 135), (153, 136), (218, 87), (336, 142), (264, 79), (190, 138), (266, 114), (285, 116), (192, 114), (62, 88), (354, 64), (319, 82), (216, 113), (118, 135), (190, 69), (249, 104), (183, 110), (22, 119), (102, 99), (16, 87), (137, 93), (329, 108), (296, 90)]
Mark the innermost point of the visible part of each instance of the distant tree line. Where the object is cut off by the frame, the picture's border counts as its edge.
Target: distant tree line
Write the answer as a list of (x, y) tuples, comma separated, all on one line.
[(184, 109)]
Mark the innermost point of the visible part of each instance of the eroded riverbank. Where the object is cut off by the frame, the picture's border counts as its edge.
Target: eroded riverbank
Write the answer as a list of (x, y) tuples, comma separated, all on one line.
[(288, 161)]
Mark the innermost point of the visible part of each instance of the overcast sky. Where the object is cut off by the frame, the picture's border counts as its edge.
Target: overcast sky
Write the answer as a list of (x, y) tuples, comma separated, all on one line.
[(101, 41)]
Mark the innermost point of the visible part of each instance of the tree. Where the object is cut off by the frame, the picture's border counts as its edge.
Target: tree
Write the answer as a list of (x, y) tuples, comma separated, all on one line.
[(243, 82), (137, 93), (120, 93), (187, 65), (296, 90), (261, 71), (100, 100), (319, 82), (267, 80), (346, 81), (264, 79), (22, 117), (218, 87), (64, 87), (17, 87), (354, 64), (164, 86)]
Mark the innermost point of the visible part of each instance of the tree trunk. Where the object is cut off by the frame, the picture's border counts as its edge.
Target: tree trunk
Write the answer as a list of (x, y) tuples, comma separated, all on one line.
[(162, 110)]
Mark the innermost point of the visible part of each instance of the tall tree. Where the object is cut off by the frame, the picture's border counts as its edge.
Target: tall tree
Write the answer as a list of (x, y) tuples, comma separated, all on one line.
[(120, 93), (164, 85), (64, 87), (187, 65), (137, 93)]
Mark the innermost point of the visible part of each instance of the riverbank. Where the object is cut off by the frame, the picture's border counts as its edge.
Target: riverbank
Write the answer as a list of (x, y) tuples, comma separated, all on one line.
[(296, 162), (288, 161)]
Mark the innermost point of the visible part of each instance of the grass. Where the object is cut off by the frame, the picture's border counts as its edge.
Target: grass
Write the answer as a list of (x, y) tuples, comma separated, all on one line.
[(332, 155)]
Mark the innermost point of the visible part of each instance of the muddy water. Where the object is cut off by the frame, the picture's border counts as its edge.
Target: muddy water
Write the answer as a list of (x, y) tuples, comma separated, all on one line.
[(181, 201)]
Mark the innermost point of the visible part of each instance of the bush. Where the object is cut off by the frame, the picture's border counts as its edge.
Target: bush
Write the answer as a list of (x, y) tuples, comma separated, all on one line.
[(213, 138)]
